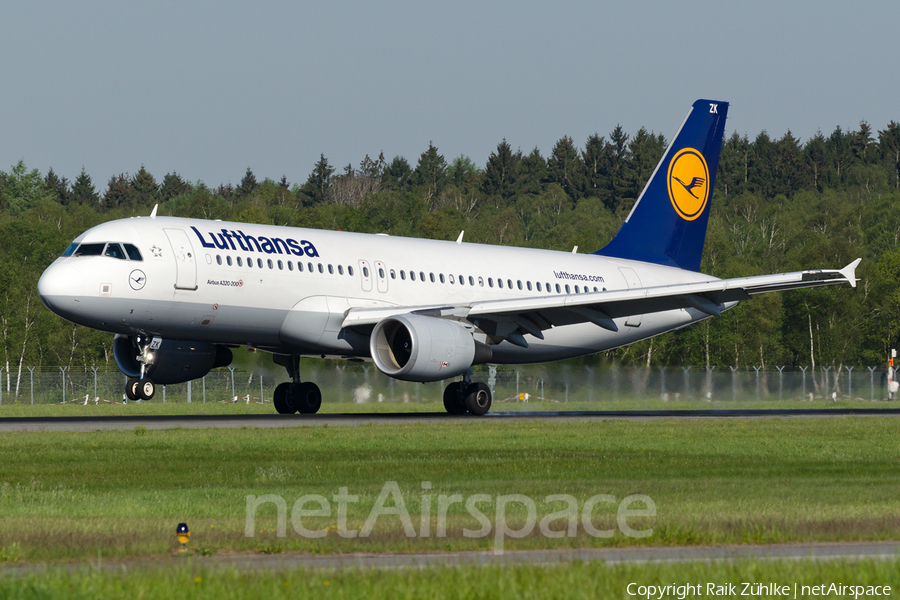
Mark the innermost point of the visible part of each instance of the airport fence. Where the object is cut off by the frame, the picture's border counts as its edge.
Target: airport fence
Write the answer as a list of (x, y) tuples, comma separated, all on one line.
[(562, 383)]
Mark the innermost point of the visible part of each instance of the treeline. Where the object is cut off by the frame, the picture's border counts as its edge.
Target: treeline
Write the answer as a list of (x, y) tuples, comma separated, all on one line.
[(779, 205)]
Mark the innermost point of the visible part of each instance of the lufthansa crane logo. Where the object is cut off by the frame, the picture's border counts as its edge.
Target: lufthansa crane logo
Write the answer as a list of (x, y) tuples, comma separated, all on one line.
[(688, 183)]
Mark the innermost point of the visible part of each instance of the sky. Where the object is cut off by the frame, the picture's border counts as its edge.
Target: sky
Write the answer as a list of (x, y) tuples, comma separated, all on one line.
[(208, 88)]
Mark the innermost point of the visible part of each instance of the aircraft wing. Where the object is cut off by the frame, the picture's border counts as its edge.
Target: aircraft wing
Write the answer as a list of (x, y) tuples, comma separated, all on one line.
[(512, 318)]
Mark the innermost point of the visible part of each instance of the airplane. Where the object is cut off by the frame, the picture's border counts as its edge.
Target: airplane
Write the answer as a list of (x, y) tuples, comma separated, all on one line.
[(180, 293)]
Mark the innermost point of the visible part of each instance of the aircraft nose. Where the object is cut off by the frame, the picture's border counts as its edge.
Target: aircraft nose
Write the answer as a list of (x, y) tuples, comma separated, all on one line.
[(60, 287)]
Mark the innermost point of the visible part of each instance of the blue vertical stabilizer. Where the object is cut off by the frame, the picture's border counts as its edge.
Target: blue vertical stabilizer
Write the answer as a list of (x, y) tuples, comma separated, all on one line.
[(667, 225)]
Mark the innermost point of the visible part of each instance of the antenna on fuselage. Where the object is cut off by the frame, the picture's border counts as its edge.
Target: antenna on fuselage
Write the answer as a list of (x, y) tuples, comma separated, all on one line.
[(459, 239), (153, 212), (575, 250)]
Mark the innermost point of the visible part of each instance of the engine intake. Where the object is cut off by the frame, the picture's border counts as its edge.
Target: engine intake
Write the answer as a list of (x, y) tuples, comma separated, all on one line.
[(419, 348), (175, 361)]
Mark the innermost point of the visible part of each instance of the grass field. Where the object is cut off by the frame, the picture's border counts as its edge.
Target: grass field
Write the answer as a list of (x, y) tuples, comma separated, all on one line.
[(577, 580), (121, 494)]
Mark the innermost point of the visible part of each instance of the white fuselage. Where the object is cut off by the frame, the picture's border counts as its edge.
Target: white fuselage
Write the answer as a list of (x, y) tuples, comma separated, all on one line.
[(287, 290)]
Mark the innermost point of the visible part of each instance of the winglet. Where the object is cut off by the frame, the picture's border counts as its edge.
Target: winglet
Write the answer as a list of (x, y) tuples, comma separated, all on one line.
[(153, 212), (849, 272)]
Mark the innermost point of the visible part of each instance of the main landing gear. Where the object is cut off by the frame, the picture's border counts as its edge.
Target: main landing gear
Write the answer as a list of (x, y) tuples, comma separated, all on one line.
[(466, 395), (296, 396)]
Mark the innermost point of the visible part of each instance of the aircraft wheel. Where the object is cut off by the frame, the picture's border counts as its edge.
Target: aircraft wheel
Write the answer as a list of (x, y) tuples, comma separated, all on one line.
[(146, 389), (478, 398), (280, 400), (453, 398), (307, 398), (131, 388)]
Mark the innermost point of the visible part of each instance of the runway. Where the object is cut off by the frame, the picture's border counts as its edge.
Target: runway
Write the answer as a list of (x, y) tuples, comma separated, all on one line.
[(611, 556), (113, 423)]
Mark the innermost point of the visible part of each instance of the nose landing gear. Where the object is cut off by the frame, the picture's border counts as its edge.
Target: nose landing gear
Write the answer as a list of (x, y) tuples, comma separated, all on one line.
[(143, 388)]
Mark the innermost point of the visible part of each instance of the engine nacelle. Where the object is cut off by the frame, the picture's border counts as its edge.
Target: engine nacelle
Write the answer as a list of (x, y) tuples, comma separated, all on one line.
[(419, 348), (174, 361)]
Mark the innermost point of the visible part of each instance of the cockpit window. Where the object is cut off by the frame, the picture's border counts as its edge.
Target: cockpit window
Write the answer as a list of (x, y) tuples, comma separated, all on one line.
[(90, 250), (70, 250), (133, 252), (115, 251)]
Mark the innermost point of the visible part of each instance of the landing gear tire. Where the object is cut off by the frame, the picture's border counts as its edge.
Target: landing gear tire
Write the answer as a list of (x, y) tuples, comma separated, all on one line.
[(307, 398), (478, 398), (281, 400), (454, 402), (146, 389), (131, 388)]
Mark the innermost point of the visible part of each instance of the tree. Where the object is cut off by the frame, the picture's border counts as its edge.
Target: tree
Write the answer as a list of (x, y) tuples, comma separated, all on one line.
[(316, 186), (533, 173), (58, 187), (889, 143), (172, 186), (734, 165), (431, 172), (118, 192), (248, 185), (145, 190), (397, 174), (23, 189), (644, 151), (83, 191), (565, 168), (501, 174), (595, 166), (815, 160)]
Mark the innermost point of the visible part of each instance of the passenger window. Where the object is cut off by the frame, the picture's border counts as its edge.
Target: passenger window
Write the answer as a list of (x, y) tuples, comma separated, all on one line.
[(330, 270), (321, 268), (218, 259), (412, 275), (441, 275), (365, 271), (250, 262), (509, 283), (462, 280), (228, 260), (451, 278), (490, 282), (259, 263), (380, 273), (528, 285), (402, 275), (393, 274), (500, 283), (310, 267), (576, 289), (431, 276), (269, 262), (340, 269), (240, 261), (133, 252), (519, 283), (290, 265), (471, 281), (481, 282), (90, 250), (568, 291), (280, 266), (557, 289), (421, 275), (538, 284), (350, 271)]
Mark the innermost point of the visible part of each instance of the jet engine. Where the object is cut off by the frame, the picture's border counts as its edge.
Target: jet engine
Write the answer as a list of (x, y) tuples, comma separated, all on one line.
[(420, 348), (173, 362)]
